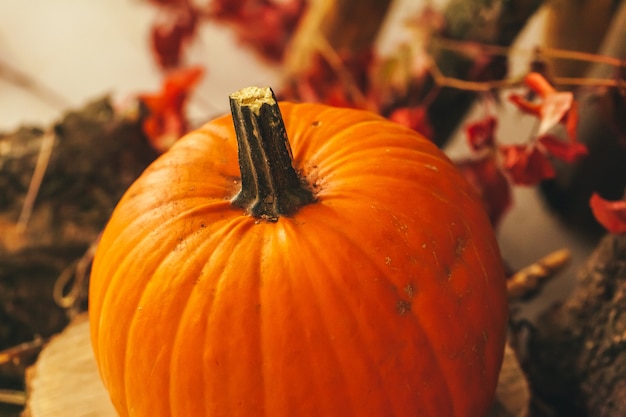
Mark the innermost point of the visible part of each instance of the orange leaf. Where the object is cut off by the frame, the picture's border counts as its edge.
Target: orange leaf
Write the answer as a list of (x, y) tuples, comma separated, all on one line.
[(566, 151), (526, 165), (166, 121), (490, 183), (610, 214), (537, 82)]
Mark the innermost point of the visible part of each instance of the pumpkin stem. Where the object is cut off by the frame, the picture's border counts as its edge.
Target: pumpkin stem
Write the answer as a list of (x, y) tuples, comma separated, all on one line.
[(270, 185)]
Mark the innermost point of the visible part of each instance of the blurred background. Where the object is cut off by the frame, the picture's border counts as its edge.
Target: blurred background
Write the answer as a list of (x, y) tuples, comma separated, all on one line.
[(58, 55)]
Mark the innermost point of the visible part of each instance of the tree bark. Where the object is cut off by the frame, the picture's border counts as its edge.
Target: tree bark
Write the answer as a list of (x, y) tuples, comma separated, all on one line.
[(576, 360), (347, 26)]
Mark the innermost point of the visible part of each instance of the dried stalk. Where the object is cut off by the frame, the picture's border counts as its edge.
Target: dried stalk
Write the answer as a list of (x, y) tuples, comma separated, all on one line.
[(529, 279)]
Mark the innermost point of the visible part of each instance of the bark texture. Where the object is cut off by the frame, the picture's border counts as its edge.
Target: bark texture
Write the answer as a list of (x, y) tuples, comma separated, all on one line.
[(577, 354)]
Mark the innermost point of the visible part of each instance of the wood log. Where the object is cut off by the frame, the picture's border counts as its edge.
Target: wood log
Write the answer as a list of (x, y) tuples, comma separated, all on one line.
[(345, 26), (576, 359), (65, 379)]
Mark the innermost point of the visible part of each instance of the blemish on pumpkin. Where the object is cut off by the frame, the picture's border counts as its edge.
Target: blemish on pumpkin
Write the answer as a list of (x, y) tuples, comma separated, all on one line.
[(316, 123), (461, 242), (387, 261), (431, 167), (409, 289), (403, 307)]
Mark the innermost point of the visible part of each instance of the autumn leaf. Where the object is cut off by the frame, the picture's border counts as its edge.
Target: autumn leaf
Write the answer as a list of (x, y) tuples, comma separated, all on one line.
[(166, 122), (481, 134), (176, 27), (554, 107), (414, 117), (487, 178), (264, 25), (568, 151), (610, 214), (526, 164)]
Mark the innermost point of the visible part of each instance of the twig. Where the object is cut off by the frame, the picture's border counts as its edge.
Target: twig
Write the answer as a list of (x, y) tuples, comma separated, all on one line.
[(483, 86), (327, 51), (477, 86), (13, 353), (13, 397), (79, 272), (530, 278), (465, 46), (28, 83), (47, 143)]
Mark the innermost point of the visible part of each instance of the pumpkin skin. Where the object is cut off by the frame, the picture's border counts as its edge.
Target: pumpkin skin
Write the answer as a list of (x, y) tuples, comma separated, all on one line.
[(385, 297)]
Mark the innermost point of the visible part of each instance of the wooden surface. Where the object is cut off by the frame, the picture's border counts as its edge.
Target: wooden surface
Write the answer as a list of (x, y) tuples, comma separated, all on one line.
[(65, 380)]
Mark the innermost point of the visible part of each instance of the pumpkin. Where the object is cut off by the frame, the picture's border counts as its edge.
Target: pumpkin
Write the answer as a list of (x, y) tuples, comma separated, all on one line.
[(351, 273)]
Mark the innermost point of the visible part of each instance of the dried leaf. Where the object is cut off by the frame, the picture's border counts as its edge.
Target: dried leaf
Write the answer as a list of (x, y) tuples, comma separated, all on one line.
[(264, 25), (490, 183), (414, 117), (525, 106), (526, 165), (177, 27), (567, 151), (539, 84), (555, 107), (610, 214), (480, 134), (166, 121)]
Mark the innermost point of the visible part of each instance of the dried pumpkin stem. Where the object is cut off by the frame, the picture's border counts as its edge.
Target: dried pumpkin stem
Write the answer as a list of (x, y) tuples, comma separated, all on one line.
[(270, 185)]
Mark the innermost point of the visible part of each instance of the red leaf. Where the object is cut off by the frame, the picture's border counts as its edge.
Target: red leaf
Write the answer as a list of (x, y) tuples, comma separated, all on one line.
[(539, 84), (610, 214), (414, 117), (491, 184), (526, 165), (166, 121), (571, 122), (566, 151), (265, 25), (525, 105), (169, 37), (480, 134), (554, 109)]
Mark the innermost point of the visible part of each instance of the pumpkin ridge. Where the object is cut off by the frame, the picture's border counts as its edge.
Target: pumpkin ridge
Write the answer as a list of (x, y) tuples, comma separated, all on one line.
[(308, 279), (396, 290), (109, 290), (244, 228), (201, 245), (137, 245), (164, 262), (317, 153), (212, 245), (331, 277)]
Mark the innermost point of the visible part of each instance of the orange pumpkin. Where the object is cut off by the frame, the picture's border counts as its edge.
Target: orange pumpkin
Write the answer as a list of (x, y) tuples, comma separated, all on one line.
[(365, 282)]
